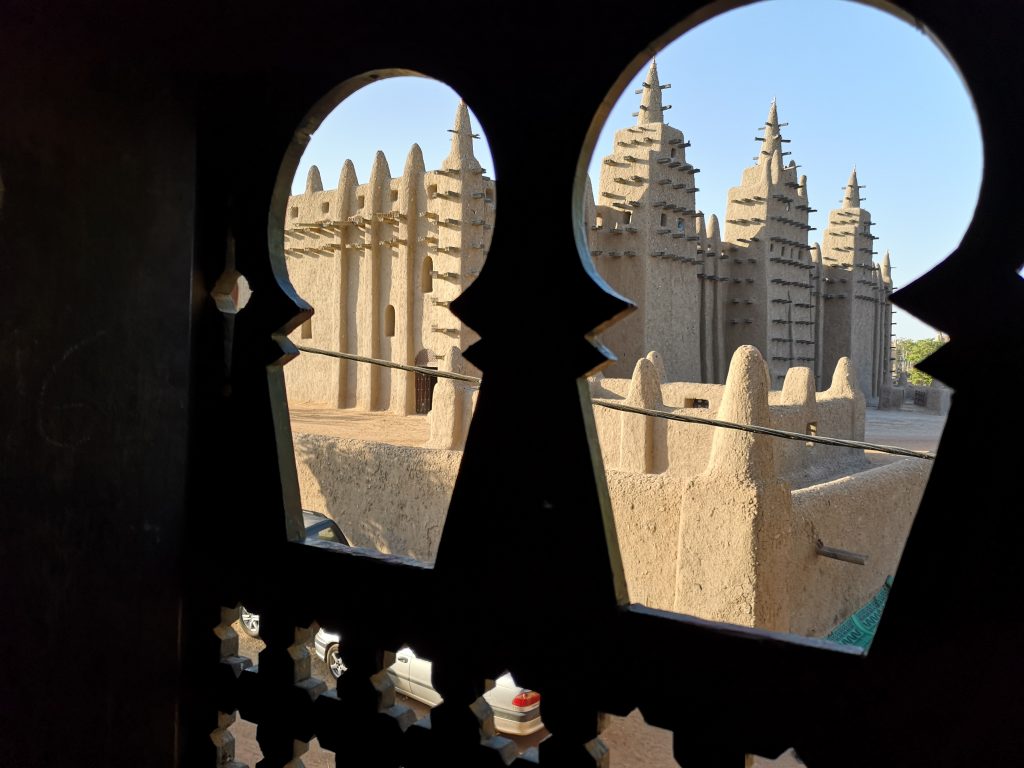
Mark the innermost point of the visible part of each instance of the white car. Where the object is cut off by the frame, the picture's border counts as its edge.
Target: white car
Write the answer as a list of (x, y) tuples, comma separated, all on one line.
[(516, 710)]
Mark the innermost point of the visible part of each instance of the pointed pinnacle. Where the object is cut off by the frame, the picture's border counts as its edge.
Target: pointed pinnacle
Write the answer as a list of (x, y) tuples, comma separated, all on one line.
[(412, 174), (313, 182), (347, 178), (852, 197), (744, 400), (772, 137), (461, 155), (414, 160), (650, 103)]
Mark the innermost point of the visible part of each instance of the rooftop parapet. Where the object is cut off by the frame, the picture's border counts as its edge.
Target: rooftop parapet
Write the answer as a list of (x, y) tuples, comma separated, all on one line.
[(644, 443), (798, 387), (745, 401)]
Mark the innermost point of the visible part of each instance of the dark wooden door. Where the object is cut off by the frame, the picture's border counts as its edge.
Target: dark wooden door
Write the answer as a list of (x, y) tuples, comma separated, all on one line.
[(424, 392)]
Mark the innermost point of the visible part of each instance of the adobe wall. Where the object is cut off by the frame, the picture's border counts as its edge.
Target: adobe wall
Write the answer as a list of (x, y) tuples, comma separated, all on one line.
[(687, 445), (322, 277), (394, 499), (870, 513), (646, 509), (706, 519), (935, 398), (381, 262), (391, 498)]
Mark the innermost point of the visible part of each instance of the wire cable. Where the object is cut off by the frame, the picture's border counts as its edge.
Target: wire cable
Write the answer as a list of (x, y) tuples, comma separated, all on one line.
[(780, 433), (389, 364), (835, 441)]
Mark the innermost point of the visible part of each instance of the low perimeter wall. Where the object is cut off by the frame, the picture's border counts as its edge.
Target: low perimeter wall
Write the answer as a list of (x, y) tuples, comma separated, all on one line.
[(395, 498), (391, 498), (869, 513), (637, 443)]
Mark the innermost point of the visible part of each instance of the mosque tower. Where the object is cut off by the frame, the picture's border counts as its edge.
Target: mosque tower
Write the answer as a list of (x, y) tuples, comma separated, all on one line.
[(381, 262), (460, 201), (771, 303), (643, 240), (885, 335), (855, 294)]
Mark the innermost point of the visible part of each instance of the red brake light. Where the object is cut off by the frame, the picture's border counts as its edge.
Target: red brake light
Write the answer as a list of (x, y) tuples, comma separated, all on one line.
[(526, 699)]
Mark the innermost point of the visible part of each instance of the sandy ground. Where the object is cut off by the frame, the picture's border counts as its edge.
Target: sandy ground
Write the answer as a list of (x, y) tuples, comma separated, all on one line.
[(381, 427), (912, 427)]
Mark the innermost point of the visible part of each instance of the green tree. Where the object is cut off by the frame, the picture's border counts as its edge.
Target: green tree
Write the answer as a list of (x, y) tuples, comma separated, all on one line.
[(912, 351)]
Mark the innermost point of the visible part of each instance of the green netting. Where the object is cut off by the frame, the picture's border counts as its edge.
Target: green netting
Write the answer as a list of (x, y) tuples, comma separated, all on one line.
[(860, 628)]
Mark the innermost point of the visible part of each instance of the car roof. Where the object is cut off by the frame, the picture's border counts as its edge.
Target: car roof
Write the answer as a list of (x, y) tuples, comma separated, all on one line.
[(316, 522)]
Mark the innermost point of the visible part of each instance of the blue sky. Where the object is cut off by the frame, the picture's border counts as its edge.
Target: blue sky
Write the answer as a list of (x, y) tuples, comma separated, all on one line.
[(389, 115), (856, 85)]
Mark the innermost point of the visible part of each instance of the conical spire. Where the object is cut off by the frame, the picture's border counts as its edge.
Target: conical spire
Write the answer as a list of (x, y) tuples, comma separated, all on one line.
[(772, 137), (851, 199), (886, 269), (699, 225), (346, 192), (347, 177), (714, 231), (414, 161), (461, 157), (659, 365), (643, 441), (798, 387), (380, 179), (651, 110), (313, 182), (844, 380), (412, 175)]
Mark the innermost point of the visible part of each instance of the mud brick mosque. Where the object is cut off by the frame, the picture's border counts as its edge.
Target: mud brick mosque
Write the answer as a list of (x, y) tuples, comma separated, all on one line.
[(381, 262), (702, 292), (753, 324)]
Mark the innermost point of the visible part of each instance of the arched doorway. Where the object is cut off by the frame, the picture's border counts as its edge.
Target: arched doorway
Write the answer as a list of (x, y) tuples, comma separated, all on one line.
[(424, 383)]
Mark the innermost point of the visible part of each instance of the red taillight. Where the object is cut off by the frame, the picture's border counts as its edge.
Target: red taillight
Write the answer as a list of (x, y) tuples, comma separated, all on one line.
[(526, 699)]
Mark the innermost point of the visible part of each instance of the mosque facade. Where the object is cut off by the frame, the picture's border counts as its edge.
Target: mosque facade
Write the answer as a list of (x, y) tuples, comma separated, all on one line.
[(380, 262)]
